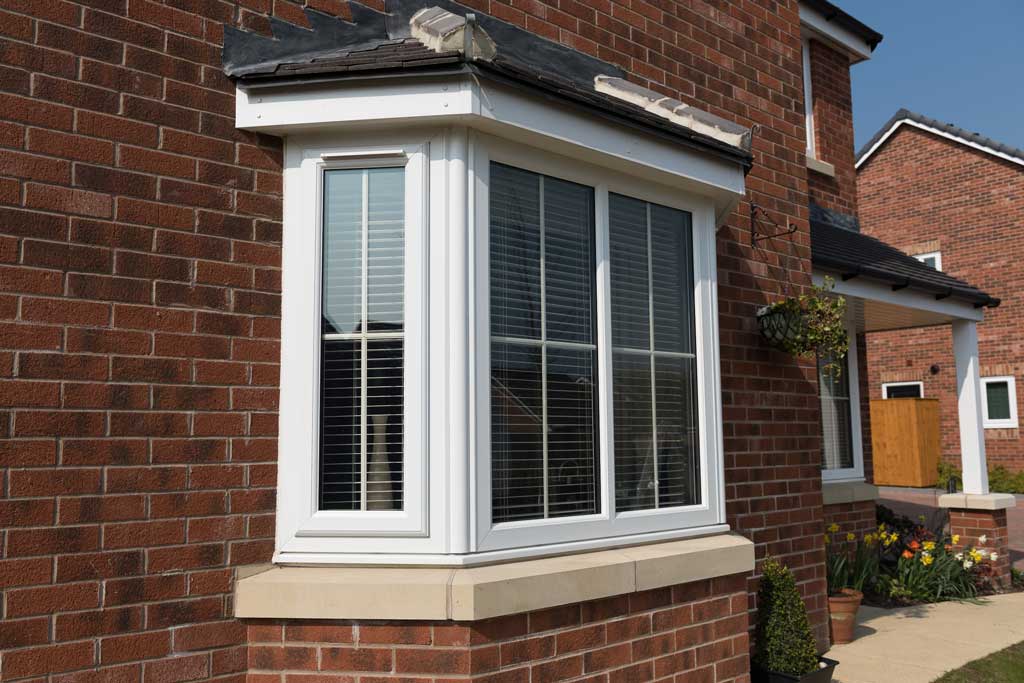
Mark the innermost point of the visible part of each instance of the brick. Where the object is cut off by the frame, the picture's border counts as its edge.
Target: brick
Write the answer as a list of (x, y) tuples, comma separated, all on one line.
[(102, 179), (206, 636), (29, 280), (24, 633), (356, 659), (66, 256), (25, 602), (170, 614), (30, 336), (117, 128), (65, 145), (134, 647), (177, 668), (159, 163), (109, 288), (29, 394), (135, 479), (25, 572), (92, 566), (186, 557), (47, 659), (104, 451), (75, 94), (26, 512), (64, 312), (63, 481), (131, 210), (27, 453), (143, 534), (126, 591)]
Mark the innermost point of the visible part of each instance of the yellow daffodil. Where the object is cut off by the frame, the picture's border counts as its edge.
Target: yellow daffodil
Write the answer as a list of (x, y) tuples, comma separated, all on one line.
[(833, 527), (850, 536), (926, 559), (828, 539), (956, 538), (881, 527), (929, 545), (975, 555)]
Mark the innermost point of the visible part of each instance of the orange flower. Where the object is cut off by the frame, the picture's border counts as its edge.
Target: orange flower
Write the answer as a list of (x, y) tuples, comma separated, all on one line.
[(907, 554), (914, 545)]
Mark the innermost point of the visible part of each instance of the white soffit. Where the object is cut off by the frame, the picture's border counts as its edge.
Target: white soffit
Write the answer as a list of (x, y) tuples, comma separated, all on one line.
[(494, 108), (814, 24)]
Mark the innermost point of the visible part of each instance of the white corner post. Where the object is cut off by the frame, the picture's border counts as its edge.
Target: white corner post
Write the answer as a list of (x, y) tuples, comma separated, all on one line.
[(968, 389)]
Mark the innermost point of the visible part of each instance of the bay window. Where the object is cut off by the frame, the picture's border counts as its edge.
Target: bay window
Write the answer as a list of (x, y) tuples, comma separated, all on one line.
[(491, 351)]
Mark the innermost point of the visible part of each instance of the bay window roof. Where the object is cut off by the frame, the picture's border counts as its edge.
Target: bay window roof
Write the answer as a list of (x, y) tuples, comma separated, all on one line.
[(378, 45)]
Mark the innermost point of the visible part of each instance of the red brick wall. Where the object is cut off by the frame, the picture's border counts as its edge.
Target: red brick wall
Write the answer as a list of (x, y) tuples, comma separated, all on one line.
[(139, 254), (971, 525), (833, 129), (857, 518), (923, 193), (696, 631)]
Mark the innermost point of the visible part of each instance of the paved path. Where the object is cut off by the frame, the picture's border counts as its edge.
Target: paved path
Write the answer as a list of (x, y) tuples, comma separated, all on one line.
[(919, 644), (915, 502)]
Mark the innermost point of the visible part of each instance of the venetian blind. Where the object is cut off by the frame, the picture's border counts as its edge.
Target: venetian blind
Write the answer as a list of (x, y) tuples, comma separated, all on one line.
[(361, 366), (836, 423), (654, 372), (544, 455)]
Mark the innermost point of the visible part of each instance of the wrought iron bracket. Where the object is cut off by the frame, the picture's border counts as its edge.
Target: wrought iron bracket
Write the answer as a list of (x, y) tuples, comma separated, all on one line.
[(763, 227)]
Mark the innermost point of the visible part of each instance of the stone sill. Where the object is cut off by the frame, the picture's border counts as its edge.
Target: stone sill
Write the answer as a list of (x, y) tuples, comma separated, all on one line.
[(977, 501), (837, 492), (822, 167), (473, 593)]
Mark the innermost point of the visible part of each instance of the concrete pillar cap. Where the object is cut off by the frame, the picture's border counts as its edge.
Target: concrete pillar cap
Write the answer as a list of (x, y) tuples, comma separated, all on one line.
[(978, 501)]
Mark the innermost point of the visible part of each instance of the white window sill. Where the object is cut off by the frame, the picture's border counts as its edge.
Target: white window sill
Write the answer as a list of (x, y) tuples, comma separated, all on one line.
[(473, 593), (822, 167), (838, 492)]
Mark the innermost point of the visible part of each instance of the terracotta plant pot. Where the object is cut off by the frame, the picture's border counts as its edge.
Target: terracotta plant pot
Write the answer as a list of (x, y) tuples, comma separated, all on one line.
[(842, 609)]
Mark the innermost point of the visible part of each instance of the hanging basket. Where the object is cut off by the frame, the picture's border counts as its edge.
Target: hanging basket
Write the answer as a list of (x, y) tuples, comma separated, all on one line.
[(780, 326)]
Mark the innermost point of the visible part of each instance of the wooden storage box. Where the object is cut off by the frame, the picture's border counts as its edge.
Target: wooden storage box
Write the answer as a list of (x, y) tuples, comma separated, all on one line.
[(905, 441)]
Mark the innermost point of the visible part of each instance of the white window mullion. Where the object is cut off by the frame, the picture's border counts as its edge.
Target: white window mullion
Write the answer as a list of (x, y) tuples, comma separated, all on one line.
[(364, 474), (543, 353), (650, 336)]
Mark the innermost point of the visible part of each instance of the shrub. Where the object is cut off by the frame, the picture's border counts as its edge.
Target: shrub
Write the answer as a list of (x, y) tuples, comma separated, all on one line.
[(929, 576), (1000, 479), (784, 640)]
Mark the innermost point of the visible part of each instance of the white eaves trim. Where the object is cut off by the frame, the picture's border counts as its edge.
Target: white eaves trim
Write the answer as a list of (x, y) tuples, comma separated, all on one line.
[(496, 109), (869, 290), (815, 24), (941, 133)]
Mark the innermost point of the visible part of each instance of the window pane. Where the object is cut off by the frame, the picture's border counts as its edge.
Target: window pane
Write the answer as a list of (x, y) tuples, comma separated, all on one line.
[(361, 363), (836, 424), (515, 252), (384, 424), (672, 280), (340, 424), (573, 471), (568, 261), (998, 396), (385, 249), (678, 446), (343, 251), (544, 455), (629, 273), (517, 432), (634, 431), (903, 391), (654, 390)]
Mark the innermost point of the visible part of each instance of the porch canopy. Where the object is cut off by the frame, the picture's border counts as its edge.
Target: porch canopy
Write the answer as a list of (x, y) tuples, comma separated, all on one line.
[(887, 290)]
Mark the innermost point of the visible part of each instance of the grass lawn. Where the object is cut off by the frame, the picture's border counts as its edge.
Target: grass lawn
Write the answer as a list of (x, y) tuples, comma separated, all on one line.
[(1005, 666)]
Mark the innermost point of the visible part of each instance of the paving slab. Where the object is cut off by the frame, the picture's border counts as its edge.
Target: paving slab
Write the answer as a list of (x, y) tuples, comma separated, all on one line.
[(918, 644)]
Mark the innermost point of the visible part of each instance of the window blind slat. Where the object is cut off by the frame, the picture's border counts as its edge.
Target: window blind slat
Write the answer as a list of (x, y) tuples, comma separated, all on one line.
[(836, 423)]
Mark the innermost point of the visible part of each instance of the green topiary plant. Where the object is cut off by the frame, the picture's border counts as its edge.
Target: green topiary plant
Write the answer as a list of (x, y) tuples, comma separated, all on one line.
[(784, 642)]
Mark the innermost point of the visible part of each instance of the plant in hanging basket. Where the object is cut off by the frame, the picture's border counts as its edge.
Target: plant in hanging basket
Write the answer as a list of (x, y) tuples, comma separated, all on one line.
[(810, 325)]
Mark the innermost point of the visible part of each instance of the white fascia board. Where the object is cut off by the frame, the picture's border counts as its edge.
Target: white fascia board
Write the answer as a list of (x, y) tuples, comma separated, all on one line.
[(862, 287), (497, 109), (814, 24), (941, 133)]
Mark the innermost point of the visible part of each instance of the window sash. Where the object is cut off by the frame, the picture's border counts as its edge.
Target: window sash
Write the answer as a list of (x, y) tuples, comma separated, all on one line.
[(1004, 390), (590, 530)]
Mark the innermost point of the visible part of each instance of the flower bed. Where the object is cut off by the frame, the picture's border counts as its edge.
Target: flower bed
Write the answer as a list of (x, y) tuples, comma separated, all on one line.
[(904, 563)]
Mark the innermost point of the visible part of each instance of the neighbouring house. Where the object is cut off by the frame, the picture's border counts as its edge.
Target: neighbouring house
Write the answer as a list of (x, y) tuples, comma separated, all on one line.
[(418, 342), (955, 201)]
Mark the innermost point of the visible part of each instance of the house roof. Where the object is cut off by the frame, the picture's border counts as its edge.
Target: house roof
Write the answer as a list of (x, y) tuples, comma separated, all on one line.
[(853, 254), (836, 15), (380, 44), (946, 130)]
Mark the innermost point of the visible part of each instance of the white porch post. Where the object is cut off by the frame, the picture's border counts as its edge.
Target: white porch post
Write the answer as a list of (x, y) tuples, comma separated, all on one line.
[(968, 388)]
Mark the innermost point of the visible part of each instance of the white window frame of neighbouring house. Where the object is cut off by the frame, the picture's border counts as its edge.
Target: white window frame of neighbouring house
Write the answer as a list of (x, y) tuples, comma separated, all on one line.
[(851, 405), (886, 386), (932, 259), (1010, 420), (445, 516)]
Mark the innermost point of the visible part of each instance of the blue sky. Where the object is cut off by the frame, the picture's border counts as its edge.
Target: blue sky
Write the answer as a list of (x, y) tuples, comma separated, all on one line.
[(959, 61)]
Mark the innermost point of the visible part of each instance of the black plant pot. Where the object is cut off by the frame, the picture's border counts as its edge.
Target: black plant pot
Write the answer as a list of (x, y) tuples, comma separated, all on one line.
[(779, 326), (822, 675)]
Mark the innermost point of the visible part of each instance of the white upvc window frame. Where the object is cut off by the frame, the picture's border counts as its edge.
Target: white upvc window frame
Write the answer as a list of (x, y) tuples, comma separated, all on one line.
[(301, 525), (605, 526), (855, 473), (886, 385), (805, 58), (937, 255), (1009, 423)]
